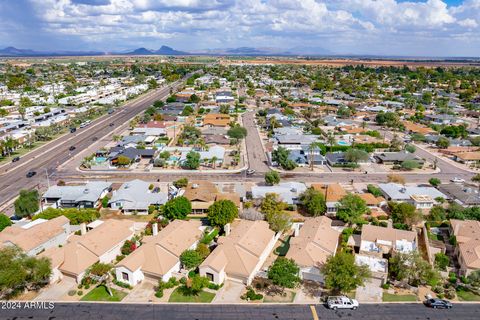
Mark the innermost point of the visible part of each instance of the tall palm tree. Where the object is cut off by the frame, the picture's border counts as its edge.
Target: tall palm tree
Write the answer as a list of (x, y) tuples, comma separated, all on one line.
[(214, 161), (331, 139)]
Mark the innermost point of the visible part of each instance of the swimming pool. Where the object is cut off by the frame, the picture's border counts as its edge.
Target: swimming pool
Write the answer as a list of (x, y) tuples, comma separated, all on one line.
[(100, 159), (342, 143), (174, 158)]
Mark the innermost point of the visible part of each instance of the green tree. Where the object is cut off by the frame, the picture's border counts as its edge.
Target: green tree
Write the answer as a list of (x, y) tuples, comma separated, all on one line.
[(355, 155), (237, 132), (272, 177), (441, 261), (195, 284), (192, 161), (351, 208), (434, 182), (443, 143), (4, 221), (342, 274), (123, 161), (190, 259), (280, 156), (313, 202), (181, 183), (377, 192), (177, 208), (222, 212), (27, 203), (410, 148), (412, 269), (284, 272), (403, 212), (273, 209), (410, 164), (19, 272)]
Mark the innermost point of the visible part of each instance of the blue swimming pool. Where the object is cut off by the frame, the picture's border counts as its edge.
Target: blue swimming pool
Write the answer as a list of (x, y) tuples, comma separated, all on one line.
[(342, 143)]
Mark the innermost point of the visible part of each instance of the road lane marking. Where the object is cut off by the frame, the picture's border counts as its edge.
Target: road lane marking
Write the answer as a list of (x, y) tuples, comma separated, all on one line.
[(314, 313)]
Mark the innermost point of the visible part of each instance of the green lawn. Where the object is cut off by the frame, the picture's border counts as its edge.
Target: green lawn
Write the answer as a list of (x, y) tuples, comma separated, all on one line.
[(464, 295), (283, 248), (203, 296), (387, 297), (100, 294)]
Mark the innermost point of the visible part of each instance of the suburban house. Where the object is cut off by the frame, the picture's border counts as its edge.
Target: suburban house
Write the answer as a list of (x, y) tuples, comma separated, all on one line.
[(288, 192), (333, 193), (313, 243), (240, 253), (465, 195), (391, 158), (101, 244), (380, 241), (420, 197), (202, 194), (135, 197), (441, 118), (467, 234), (467, 158), (133, 154), (215, 152), (37, 235), (159, 255), (216, 120), (81, 196)]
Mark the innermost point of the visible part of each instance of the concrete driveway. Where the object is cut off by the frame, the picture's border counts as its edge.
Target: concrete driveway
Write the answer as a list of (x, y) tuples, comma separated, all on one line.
[(143, 292), (370, 292), (229, 293), (57, 291)]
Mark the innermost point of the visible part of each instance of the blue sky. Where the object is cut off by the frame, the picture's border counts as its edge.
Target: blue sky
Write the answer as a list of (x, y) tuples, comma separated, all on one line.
[(382, 27)]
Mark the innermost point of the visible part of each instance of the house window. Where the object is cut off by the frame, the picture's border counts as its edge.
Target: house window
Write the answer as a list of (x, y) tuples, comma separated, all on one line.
[(210, 276), (125, 276)]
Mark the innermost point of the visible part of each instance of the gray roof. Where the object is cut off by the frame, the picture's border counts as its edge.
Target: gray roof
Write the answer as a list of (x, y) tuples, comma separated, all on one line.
[(396, 156), (131, 153), (89, 192), (136, 195), (399, 192), (335, 157), (467, 195), (287, 191), (296, 139)]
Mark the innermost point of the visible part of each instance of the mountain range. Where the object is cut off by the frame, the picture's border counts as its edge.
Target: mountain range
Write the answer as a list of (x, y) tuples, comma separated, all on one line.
[(165, 50)]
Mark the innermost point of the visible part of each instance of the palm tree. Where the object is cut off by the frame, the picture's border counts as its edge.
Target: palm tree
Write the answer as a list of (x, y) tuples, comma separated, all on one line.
[(311, 149), (214, 161), (331, 139)]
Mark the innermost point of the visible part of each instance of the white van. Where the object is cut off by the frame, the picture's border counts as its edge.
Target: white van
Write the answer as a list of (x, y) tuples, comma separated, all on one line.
[(86, 123), (341, 302)]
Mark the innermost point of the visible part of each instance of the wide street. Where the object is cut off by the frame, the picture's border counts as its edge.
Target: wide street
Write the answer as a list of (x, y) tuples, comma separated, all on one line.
[(48, 157), (80, 311)]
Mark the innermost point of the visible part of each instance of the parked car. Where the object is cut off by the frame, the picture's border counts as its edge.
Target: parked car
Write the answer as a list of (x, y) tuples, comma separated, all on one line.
[(31, 173), (72, 148), (112, 124), (457, 180), (250, 172), (341, 302), (72, 130), (438, 303), (110, 111), (15, 159)]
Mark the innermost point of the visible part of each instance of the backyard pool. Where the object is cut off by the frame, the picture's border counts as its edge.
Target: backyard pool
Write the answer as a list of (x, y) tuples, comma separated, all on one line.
[(100, 159), (342, 143)]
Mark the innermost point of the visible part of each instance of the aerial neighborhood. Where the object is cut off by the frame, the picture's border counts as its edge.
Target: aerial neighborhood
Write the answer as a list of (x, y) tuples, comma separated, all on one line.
[(238, 181)]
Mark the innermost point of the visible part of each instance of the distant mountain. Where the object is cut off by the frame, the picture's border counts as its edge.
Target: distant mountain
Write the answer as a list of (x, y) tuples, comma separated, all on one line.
[(14, 52), (164, 50), (266, 51)]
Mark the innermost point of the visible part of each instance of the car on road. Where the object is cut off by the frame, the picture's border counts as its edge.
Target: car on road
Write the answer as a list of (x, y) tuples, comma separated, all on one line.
[(31, 173), (72, 130), (436, 303), (110, 111), (94, 139), (457, 180), (341, 302), (111, 124), (72, 148), (251, 171), (15, 159)]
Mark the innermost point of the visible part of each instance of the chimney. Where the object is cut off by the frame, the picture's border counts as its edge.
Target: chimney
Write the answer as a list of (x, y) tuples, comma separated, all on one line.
[(226, 228), (155, 229), (83, 228)]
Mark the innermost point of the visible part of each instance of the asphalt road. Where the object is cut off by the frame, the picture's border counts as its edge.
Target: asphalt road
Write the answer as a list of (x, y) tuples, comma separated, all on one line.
[(47, 158), (118, 311), (257, 159)]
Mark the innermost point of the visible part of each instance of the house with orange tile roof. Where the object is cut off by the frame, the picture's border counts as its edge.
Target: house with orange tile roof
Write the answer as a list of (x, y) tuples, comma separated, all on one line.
[(203, 193), (240, 253), (467, 234), (467, 157), (411, 127), (333, 193), (216, 120)]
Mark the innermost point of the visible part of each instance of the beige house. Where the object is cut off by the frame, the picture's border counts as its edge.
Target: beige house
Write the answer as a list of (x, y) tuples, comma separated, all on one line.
[(240, 253), (202, 194), (467, 233), (315, 241), (159, 255), (102, 244), (38, 235)]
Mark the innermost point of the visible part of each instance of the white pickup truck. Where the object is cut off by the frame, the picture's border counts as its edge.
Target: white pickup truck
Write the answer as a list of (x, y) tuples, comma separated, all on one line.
[(341, 302)]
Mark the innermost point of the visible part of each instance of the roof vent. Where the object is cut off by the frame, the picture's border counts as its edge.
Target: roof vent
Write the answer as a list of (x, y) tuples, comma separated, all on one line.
[(86, 191)]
